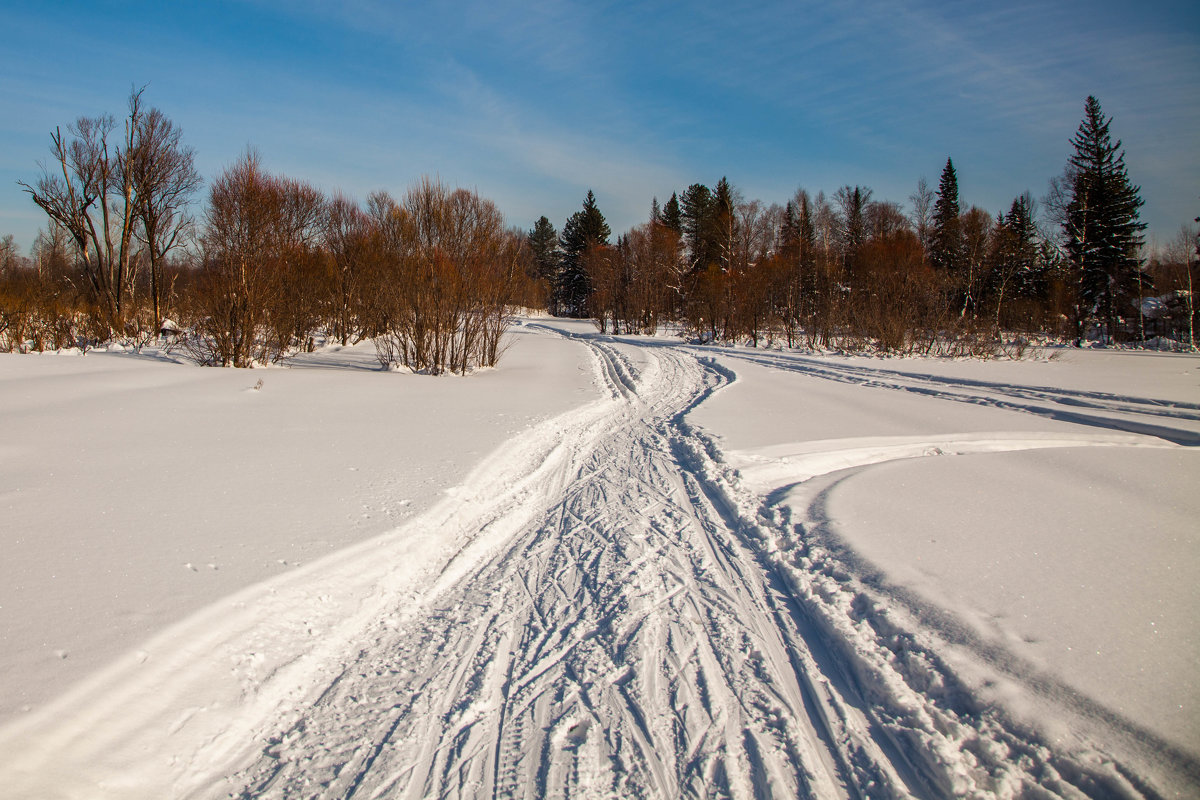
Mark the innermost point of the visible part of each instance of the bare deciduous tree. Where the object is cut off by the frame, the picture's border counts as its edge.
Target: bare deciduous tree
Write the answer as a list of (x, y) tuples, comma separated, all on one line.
[(90, 193), (256, 298), (349, 238), (448, 271), (922, 216), (164, 179)]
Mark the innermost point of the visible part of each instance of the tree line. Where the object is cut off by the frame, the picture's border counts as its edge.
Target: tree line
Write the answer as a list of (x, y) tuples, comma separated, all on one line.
[(273, 266), (850, 272)]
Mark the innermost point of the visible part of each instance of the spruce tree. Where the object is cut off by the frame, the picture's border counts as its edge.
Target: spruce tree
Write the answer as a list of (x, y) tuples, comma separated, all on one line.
[(1023, 241), (696, 217), (671, 216), (946, 249), (806, 234), (724, 222), (789, 231), (853, 234), (585, 229), (1101, 226), (543, 243), (1014, 267)]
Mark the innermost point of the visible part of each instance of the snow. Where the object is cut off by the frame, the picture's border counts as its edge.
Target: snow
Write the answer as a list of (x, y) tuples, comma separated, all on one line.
[(1053, 558), (1081, 562), (137, 491), (611, 566)]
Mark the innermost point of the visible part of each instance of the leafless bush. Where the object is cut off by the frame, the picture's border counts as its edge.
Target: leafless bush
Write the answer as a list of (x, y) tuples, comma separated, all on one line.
[(447, 270), (254, 300), (41, 311)]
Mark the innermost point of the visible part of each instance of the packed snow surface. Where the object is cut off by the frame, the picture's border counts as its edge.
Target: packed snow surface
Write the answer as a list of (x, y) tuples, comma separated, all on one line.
[(612, 567)]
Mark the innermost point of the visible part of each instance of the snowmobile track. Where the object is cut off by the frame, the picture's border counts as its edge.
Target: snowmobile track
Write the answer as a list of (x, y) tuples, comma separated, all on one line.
[(637, 639)]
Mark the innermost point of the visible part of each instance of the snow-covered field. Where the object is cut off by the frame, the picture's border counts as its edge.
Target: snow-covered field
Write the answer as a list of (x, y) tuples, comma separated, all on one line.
[(611, 567)]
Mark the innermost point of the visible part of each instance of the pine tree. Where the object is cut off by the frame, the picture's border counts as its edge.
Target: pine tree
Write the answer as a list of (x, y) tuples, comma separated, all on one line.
[(806, 234), (788, 230), (585, 229), (1023, 237), (543, 243), (1101, 225), (1015, 267), (946, 237), (798, 260)]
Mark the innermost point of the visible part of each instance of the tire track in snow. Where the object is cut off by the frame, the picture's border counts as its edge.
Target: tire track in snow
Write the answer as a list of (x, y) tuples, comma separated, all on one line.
[(203, 694), (891, 645), (866, 623)]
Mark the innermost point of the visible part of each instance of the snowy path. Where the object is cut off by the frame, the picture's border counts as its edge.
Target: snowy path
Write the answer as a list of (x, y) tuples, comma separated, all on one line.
[(623, 644), (614, 619)]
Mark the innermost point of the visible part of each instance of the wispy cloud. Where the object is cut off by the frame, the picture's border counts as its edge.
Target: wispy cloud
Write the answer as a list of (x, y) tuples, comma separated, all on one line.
[(534, 103)]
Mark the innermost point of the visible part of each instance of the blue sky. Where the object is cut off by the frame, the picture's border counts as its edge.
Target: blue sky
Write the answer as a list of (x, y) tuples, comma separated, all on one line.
[(533, 103)]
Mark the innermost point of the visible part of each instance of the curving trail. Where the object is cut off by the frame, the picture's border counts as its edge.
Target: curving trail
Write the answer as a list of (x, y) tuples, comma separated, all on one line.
[(636, 639), (624, 643), (617, 619)]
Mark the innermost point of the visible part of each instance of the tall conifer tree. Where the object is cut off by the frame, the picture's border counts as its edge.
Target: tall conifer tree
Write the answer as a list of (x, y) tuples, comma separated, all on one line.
[(543, 243), (853, 234), (806, 234), (585, 229), (671, 216), (696, 214), (1101, 225), (725, 222), (946, 250)]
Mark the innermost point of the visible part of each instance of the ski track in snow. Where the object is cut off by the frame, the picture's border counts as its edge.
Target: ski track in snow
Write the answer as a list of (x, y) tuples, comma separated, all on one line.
[(618, 616), (1163, 419)]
